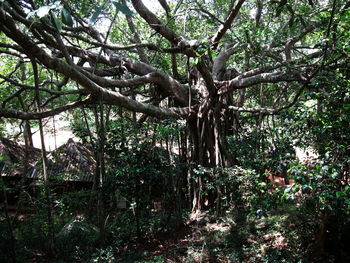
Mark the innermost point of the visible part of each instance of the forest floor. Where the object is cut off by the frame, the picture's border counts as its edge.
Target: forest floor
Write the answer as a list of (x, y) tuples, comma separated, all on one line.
[(276, 237), (283, 234)]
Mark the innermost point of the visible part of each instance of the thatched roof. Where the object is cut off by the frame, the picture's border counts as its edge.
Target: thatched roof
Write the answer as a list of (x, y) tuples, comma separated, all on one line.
[(16, 158), (70, 162)]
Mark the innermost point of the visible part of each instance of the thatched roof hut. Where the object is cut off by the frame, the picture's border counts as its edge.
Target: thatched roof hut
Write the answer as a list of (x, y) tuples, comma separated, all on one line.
[(70, 167), (70, 162), (16, 159)]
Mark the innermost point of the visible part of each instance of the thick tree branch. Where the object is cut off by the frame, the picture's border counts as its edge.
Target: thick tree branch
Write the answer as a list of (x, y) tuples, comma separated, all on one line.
[(7, 113), (170, 85), (24, 87), (253, 110), (240, 83), (155, 23), (113, 98), (290, 43), (220, 61), (203, 68), (123, 83), (223, 28), (131, 47)]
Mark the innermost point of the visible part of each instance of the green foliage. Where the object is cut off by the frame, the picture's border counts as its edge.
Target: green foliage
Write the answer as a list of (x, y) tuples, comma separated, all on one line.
[(57, 13), (154, 259), (43, 10), (96, 14), (5, 241), (33, 234), (57, 23), (324, 186), (138, 166), (244, 187), (69, 203), (123, 8), (76, 239), (66, 17), (140, 170), (104, 255)]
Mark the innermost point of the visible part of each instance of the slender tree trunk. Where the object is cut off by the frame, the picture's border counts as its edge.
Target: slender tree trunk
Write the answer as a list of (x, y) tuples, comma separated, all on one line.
[(27, 133), (174, 179), (95, 176), (189, 172), (28, 141), (51, 239), (137, 211), (100, 170), (28, 138)]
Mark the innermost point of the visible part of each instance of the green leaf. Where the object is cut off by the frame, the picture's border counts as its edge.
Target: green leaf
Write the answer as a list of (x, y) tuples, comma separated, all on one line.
[(66, 17), (262, 184), (340, 194), (123, 8), (96, 14), (57, 23), (43, 11), (210, 54)]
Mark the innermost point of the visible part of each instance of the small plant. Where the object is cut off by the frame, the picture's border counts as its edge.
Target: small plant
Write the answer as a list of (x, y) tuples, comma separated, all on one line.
[(103, 255)]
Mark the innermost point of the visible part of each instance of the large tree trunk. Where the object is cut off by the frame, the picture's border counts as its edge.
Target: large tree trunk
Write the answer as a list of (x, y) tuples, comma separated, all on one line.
[(212, 123), (208, 134)]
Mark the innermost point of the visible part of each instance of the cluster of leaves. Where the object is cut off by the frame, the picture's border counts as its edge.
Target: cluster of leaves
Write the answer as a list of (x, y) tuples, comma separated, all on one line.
[(136, 162), (56, 12), (60, 16), (262, 150), (140, 171), (324, 185), (240, 188), (324, 192)]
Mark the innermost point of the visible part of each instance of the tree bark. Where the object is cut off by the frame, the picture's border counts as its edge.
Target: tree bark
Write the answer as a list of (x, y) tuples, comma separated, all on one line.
[(51, 237)]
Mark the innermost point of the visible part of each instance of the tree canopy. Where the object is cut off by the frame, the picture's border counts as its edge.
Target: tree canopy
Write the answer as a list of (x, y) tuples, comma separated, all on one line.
[(192, 52), (207, 62)]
